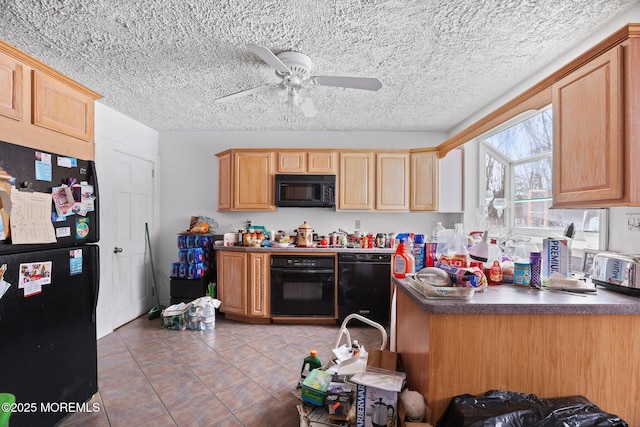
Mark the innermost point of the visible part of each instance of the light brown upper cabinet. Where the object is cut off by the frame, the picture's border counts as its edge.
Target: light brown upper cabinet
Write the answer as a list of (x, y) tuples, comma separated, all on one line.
[(424, 181), (313, 162), (588, 118), (321, 162), (43, 109), (61, 108), (356, 181), (10, 87), (246, 181), (292, 162), (392, 181)]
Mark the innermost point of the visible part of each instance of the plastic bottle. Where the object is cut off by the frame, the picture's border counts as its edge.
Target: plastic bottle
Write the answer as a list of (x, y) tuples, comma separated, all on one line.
[(403, 261), (355, 348), (435, 231), (495, 274), (536, 265), (208, 317), (311, 362), (460, 249), (419, 251)]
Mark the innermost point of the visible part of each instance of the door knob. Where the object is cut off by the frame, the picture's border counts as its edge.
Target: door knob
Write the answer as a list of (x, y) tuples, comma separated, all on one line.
[(117, 250)]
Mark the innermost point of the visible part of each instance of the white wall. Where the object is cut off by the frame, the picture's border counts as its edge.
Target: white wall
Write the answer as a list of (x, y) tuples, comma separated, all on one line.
[(115, 131), (189, 185), (618, 235)]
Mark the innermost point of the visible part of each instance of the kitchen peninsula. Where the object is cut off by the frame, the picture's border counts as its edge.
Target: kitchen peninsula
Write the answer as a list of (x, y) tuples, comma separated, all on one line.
[(525, 340)]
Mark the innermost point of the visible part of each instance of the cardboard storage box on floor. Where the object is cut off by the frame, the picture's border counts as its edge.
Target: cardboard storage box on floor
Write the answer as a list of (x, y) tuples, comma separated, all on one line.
[(402, 418), (378, 405)]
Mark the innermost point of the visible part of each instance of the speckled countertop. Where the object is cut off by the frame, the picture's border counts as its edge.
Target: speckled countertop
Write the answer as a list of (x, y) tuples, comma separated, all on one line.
[(299, 249), (508, 299)]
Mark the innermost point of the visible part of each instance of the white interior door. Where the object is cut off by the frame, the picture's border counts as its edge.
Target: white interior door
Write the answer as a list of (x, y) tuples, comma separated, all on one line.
[(131, 265)]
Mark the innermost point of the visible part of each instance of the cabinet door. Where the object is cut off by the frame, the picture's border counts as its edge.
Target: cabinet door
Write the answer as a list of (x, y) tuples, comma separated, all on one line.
[(10, 87), (392, 181), (424, 181), (258, 280), (356, 181), (321, 162), (232, 281), (253, 184), (588, 144), (292, 162), (61, 108), (224, 182), (451, 178)]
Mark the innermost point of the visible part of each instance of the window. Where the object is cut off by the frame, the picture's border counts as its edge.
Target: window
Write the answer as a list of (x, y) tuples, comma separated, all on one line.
[(517, 184)]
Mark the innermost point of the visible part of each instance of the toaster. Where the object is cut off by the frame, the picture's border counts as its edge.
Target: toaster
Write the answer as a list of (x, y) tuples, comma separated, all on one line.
[(619, 272)]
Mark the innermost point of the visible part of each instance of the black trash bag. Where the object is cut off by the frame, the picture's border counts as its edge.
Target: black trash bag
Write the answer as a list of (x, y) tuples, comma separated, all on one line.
[(511, 409)]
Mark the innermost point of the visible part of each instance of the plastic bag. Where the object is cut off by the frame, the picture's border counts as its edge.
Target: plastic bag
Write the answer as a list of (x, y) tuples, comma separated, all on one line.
[(510, 409)]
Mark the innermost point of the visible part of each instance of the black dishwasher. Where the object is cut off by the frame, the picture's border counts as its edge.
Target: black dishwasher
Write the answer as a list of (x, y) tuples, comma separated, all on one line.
[(364, 285)]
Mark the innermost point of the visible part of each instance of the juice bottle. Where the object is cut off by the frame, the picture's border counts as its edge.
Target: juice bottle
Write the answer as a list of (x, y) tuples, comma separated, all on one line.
[(495, 274)]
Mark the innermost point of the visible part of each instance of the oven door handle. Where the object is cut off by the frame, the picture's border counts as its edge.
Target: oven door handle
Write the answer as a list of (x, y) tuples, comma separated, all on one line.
[(300, 270)]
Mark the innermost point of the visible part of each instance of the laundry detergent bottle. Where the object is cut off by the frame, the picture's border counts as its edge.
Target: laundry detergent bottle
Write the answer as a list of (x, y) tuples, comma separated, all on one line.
[(403, 261)]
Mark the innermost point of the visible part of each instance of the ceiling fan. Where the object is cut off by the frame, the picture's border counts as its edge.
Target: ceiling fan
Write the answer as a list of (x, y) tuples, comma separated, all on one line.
[(294, 70)]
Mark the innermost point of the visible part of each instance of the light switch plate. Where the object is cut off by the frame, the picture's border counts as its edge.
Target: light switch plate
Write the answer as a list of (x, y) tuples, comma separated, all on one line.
[(358, 224)]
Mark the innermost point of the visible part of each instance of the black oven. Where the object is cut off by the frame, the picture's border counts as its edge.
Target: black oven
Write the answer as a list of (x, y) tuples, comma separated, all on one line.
[(303, 286)]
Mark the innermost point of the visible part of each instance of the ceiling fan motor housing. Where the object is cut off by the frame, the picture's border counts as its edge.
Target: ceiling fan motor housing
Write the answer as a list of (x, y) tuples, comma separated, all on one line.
[(297, 62)]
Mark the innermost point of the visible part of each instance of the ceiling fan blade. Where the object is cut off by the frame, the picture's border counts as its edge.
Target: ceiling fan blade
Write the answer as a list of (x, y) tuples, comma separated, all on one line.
[(247, 92), (308, 108), (267, 56), (365, 83)]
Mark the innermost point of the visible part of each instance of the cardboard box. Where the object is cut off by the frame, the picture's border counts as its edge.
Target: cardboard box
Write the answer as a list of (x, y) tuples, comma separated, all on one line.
[(377, 394), (402, 418), (556, 257), (389, 360)]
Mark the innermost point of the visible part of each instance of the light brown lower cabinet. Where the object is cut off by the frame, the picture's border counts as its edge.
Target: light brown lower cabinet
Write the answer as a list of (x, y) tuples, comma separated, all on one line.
[(243, 285)]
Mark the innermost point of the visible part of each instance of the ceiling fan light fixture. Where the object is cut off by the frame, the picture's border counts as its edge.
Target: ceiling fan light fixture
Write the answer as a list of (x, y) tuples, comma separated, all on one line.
[(299, 63)]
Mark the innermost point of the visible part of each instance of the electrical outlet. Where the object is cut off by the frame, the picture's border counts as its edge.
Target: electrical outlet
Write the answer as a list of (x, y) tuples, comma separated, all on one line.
[(358, 224), (633, 222)]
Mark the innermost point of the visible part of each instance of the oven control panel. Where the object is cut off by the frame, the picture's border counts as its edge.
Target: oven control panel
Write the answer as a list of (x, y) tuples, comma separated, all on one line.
[(286, 261)]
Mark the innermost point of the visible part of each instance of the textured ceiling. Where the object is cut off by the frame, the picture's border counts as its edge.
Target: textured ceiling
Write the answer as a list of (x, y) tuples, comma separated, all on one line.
[(163, 62)]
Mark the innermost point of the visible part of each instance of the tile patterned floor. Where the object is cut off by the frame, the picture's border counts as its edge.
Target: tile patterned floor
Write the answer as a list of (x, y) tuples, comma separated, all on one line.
[(236, 375)]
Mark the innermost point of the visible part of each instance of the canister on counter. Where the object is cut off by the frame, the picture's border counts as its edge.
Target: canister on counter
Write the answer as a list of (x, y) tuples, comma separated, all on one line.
[(522, 273)]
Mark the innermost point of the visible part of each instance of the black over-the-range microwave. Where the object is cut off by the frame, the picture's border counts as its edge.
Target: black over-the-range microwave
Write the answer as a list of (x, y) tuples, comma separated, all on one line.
[(305, 191)]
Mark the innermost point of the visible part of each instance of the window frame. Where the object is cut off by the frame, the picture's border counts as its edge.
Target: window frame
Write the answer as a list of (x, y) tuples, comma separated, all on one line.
[(581, 241)]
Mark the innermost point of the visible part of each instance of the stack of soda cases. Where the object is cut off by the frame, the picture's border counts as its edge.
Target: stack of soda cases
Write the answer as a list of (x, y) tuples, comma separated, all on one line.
[(195, 256)]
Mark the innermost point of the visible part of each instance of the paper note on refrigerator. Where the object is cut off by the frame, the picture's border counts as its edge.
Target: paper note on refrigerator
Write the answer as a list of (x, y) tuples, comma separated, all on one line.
[(31, 218)]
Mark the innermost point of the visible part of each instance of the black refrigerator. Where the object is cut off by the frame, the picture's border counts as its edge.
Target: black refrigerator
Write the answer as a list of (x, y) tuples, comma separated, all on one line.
[(48, 291)]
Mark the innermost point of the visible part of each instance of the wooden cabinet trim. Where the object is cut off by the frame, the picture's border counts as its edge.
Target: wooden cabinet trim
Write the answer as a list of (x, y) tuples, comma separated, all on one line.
[(35, 64), (539, 95)]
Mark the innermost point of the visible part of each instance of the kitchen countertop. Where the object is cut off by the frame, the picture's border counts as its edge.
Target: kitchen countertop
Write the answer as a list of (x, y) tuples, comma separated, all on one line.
[(299, 249), (509, 299)]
